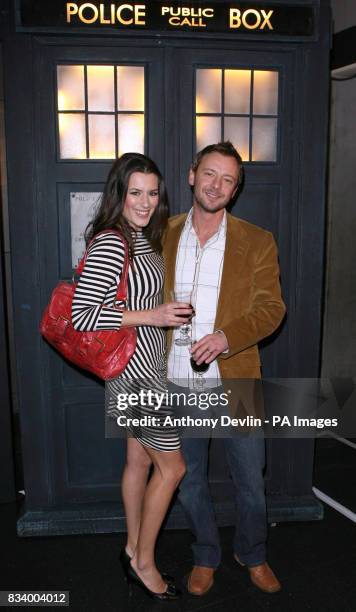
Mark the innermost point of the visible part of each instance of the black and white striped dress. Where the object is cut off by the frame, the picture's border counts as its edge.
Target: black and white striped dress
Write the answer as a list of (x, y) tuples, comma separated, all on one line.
[(93, 309)]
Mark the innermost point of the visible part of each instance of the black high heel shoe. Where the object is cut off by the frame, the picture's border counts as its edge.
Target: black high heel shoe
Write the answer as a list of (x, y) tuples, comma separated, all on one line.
[(125, 562), (171, 593)]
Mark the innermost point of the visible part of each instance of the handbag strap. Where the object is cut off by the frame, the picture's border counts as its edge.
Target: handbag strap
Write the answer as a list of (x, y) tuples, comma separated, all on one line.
[(121, 292)]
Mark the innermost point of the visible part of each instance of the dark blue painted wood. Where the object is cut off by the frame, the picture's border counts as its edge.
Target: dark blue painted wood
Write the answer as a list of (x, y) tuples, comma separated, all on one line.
[(67, 460), (7, 475)]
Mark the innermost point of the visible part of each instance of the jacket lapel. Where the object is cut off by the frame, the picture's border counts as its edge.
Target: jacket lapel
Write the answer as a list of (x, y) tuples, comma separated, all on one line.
[(170, 254), (170, 249), (236, 248)]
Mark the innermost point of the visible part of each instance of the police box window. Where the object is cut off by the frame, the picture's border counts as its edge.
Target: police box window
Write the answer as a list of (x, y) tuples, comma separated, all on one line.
[(240, 105), (101, 110)]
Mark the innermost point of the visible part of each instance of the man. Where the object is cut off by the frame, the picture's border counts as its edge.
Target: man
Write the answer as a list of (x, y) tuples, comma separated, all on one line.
[(233, 267)]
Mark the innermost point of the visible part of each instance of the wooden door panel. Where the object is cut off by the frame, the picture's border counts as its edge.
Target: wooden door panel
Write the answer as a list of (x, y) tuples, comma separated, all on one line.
[(85, 465), (267, 196)]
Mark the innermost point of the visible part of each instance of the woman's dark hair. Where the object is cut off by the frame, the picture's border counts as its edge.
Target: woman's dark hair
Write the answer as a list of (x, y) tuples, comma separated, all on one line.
[(110, 212)]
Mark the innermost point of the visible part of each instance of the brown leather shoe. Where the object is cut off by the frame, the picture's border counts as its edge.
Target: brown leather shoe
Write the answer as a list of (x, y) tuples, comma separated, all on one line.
[(200, 580), (262, 577)]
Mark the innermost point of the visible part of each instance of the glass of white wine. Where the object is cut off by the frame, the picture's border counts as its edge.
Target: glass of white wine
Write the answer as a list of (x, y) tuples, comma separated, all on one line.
[(183, 293)]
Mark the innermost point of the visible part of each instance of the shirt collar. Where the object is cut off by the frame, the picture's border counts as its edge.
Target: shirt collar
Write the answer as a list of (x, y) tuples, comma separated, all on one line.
[(221, 231)]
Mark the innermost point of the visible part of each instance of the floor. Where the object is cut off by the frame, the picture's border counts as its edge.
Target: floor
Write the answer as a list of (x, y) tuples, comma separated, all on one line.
[(316, 561)]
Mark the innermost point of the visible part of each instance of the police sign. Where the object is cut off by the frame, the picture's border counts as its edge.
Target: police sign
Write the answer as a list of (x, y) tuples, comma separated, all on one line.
[(224, 17)]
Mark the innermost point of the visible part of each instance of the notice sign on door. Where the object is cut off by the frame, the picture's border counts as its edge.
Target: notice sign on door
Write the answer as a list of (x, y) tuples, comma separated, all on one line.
[(83, 206), (225, 17)]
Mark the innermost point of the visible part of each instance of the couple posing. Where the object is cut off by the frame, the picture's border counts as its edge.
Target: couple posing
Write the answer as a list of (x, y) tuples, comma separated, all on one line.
[(236, 278)]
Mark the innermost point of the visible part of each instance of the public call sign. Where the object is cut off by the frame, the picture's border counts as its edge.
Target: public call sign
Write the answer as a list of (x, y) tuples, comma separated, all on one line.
[(223, 17)]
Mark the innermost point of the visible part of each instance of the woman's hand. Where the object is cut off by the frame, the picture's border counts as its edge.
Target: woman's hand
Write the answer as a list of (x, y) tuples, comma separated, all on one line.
[(172, 314)]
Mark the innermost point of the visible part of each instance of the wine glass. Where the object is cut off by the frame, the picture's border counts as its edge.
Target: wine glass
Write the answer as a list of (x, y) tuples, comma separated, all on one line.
[(198, 370), (182, 293)]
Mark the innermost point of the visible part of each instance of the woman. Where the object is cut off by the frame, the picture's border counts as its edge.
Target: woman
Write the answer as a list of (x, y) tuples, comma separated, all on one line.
[(134, 202)]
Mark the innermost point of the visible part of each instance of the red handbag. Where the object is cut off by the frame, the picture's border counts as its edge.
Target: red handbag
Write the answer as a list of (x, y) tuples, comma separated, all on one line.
[(105, 353)]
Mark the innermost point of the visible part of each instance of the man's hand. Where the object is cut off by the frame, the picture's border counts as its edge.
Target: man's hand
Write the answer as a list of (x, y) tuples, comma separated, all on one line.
[(209, 347)]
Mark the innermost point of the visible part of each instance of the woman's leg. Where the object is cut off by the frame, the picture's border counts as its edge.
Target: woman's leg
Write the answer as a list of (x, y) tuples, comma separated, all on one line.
[(169, 469), (133, 486)]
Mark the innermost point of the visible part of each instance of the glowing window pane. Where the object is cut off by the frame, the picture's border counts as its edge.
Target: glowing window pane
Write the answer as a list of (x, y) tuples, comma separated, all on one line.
[(237, 91), (72, 135), (264, 139), (265, 92), (208, 90), (70, 80), (208, 131), (101, 136), (131, 134), (236, 129), (101, 88), (131, 88)]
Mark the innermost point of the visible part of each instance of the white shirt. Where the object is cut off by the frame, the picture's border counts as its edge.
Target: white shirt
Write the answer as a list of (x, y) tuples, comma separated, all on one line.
[(201, 269)]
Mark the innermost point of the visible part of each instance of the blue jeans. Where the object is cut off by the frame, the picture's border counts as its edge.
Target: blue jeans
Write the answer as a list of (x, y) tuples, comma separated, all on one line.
[(246, 460)]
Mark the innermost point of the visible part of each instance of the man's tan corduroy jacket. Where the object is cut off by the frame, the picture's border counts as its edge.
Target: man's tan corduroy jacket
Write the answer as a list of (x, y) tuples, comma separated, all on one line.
[(250, 305)]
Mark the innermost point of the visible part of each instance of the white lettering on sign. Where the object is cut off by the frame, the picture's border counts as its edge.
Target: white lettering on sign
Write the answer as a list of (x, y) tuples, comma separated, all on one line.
[(251, 19), (187, 16), (128, 14), (89, 13)]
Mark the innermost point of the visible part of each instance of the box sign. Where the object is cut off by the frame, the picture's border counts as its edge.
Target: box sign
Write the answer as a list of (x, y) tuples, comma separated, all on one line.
[(218, 17)]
